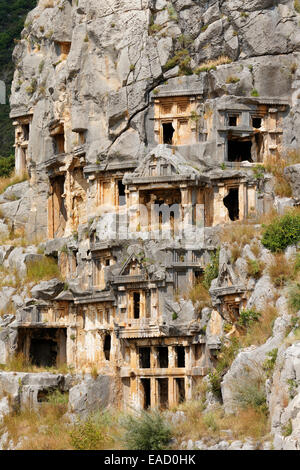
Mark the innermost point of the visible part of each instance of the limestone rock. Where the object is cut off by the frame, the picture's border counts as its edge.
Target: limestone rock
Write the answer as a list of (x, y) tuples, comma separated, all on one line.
[(47, 290), (91, 395)]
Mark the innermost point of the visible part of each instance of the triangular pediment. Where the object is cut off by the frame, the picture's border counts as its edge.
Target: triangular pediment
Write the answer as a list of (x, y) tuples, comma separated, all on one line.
[(132, 267), (226, 277), (163, 161)]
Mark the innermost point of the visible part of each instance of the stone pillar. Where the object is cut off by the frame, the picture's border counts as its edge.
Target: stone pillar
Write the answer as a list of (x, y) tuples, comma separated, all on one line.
[(172, 392), (242, 201), (172, 357), (153, 389), (220, 214)]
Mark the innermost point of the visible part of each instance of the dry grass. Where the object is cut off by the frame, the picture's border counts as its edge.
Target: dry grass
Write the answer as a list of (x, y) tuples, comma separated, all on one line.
[(280, 270), (42, 270), (48, 429), (240, 233), (212, 64), (44, 429), (245, 423), (260, 331), (18, 363), (11, 180), (9, 310), (255, 268), (255, 248), (199, 296), (276, 166), (236, 251)]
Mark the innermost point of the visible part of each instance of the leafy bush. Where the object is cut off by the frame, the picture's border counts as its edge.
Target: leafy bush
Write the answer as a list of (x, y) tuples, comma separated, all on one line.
[(90, 434), (6, 166), (288, 428), (282, 232), (248, 317), (146, 431), (212, 270), (210, 421), (255, 268), (226, 357), (269, 363), (294, 297), (58, 398), (249, 391)]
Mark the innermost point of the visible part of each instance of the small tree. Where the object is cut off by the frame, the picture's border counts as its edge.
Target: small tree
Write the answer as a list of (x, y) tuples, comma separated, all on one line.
[(146, 431), (282, 232)]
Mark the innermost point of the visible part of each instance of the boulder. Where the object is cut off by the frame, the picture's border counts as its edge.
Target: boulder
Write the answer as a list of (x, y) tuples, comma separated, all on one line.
[(47, 290), (91, 395)]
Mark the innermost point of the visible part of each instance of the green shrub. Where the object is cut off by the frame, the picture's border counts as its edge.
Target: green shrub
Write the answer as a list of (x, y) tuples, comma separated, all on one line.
[(215, 379), (146, 431), (7, 165), (293, 387), (268, 365), (297, 263), (249, 391), (58, 398), (210, 422), (43, 269), (212, 270), (183, 60), (255, 268), (294, 297), (288, 428), (226, 357), (248, 317), (89, 434), (282, 232)]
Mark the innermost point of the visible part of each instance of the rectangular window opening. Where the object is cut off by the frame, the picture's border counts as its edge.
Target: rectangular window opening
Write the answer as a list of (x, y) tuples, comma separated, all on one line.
[(144, 358), (136, 304), (146, 387), (163, 357), (163, 393), (180, 356)]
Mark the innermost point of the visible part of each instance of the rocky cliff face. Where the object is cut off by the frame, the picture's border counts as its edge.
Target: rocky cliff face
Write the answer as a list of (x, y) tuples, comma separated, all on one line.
[(97, 86), (116, 54)]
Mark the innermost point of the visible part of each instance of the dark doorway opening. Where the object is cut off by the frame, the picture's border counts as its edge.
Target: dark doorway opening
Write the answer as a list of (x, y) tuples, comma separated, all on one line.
[(147, 393), (168, 131), (163, 393), (239, 150), (107, 347), (43, 352), (231, 202), (45, 347), (122, 195), (163, 357), (136, 305), (180, 356), (256, 122), (180, 389), (144, 354)]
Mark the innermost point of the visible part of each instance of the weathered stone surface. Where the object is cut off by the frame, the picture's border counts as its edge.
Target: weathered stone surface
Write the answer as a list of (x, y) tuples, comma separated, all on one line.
[(29, 389), (91, 395), (293, 175), (47, 290)]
